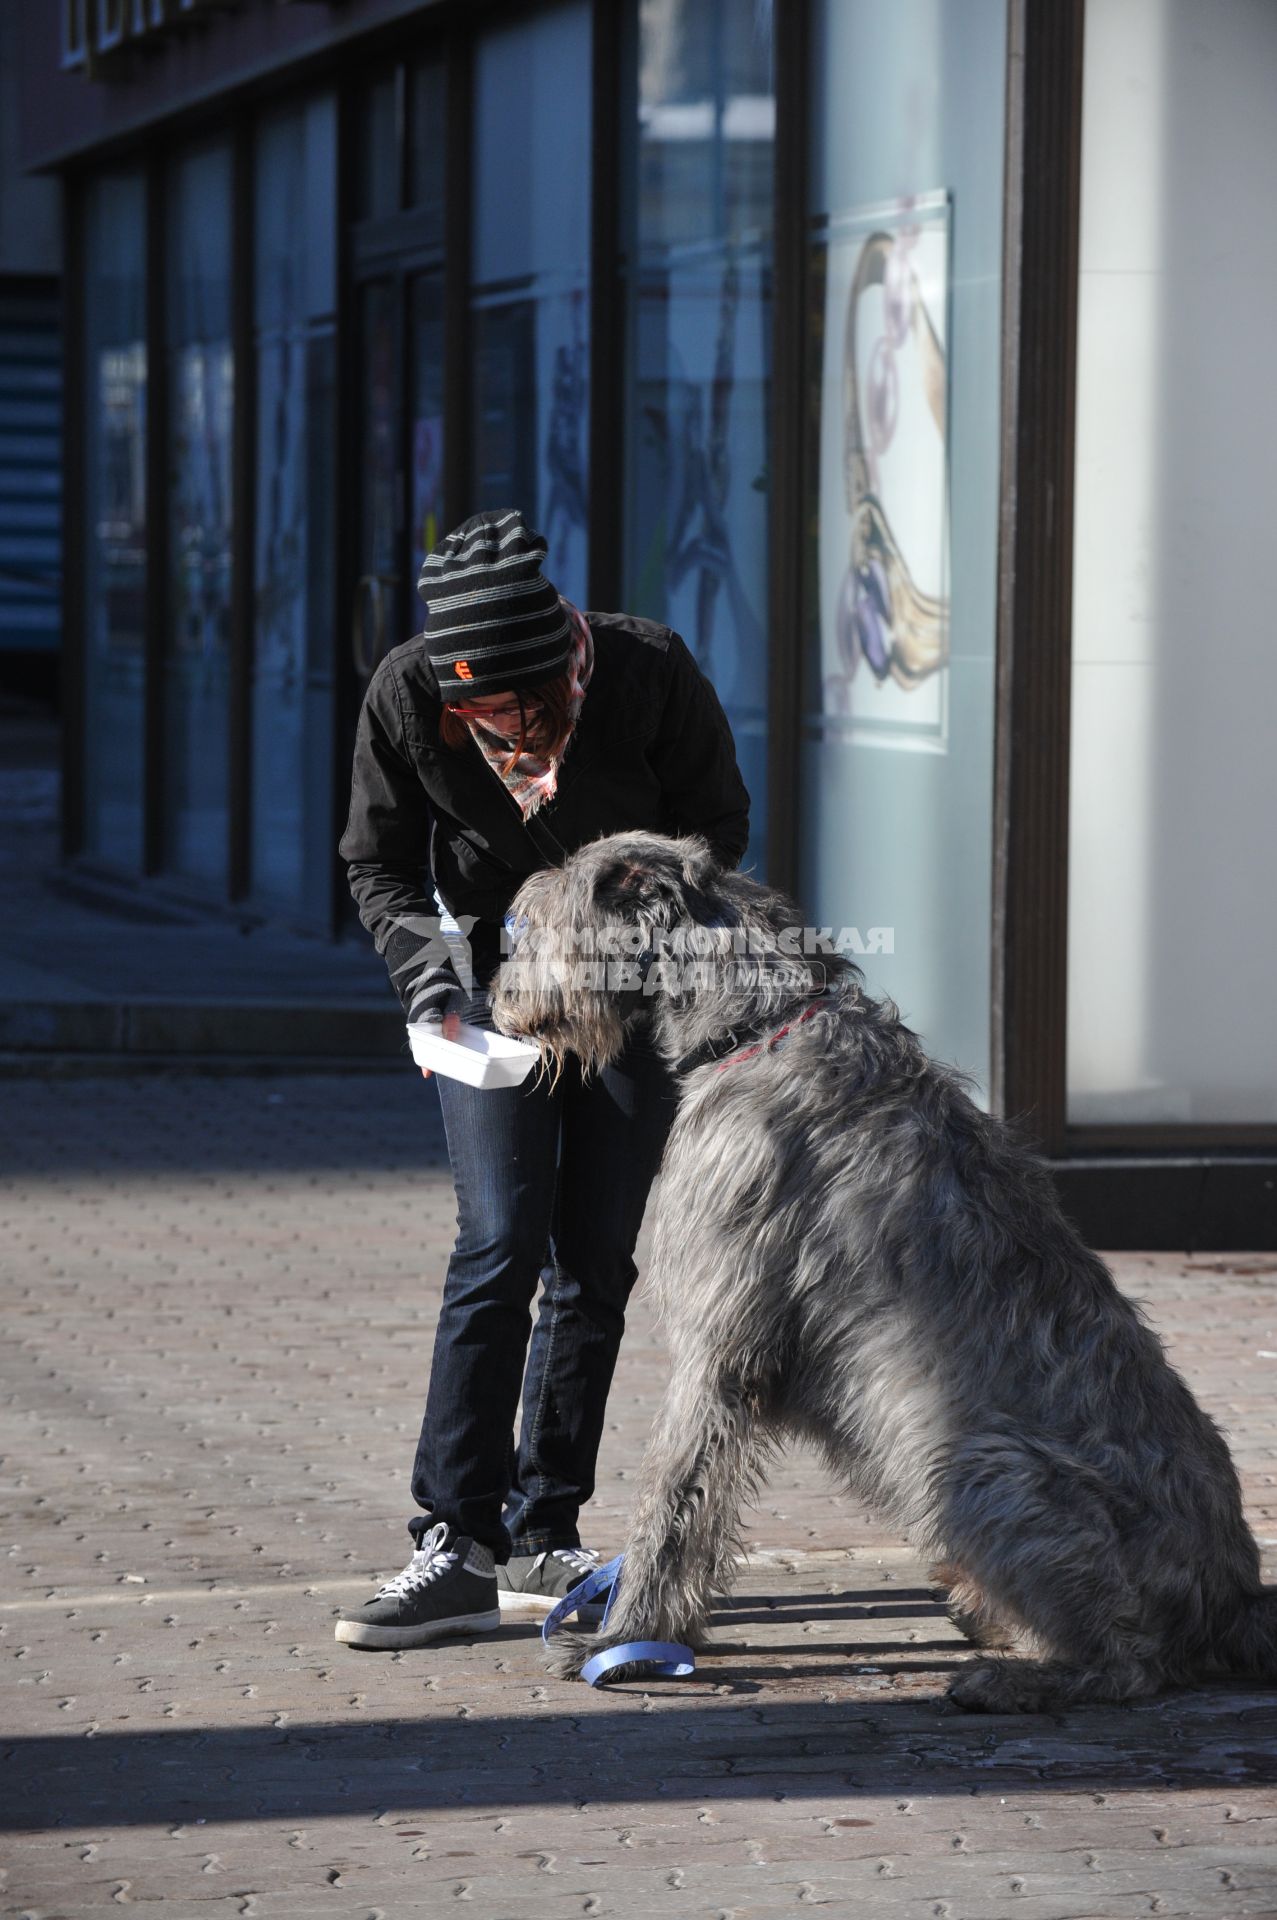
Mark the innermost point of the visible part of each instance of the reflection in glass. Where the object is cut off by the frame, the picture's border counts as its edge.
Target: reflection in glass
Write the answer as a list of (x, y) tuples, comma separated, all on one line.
[(1172, 927), (427, 416), (381, 432), (697, 269), (901, 500), (531, 280), (295, 297), (115, 544), (377, 148), (426, 144), (201, 393)]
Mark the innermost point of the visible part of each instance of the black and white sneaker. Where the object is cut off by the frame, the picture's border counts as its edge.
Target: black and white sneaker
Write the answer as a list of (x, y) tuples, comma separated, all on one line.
[(449, 1586), (533, 1583)]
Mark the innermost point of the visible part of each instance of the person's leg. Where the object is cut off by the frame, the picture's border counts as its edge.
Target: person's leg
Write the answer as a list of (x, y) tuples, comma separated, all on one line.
[(502, 1144), (613, 1135)]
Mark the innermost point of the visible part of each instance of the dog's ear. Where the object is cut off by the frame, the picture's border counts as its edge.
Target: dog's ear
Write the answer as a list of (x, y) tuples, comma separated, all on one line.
[(700, 869), (700, 874), (649, 901)]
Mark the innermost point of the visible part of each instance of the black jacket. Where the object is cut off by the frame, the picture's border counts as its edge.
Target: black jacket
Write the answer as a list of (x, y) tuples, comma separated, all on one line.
[(652, 748)]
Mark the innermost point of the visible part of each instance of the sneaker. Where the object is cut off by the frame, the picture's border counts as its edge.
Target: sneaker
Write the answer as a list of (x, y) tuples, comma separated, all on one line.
[(533, 1583), (449, 1586)]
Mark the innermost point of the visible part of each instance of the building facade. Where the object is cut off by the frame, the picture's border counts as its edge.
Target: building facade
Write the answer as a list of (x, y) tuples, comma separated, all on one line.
[(878, 348), (30, 401)]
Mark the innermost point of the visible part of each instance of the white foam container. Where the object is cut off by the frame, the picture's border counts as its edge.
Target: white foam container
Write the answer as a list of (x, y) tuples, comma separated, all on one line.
[(480, 1058)]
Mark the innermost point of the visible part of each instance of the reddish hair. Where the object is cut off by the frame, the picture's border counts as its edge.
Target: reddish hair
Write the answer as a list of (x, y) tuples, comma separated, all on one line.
[(547, 704)]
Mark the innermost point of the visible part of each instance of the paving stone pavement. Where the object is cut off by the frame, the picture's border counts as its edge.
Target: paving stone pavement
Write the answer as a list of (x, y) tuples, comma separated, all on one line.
[(220, 1297)]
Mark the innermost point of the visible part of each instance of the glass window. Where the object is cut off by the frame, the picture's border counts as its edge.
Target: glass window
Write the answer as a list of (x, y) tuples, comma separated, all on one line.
[(292, 671), (400, 142), (896, 755), (201, 397), (377, 147), (427, 143), (380, 458), (530, 296), (697, 267), (1173, 781), (115, 543), (426, 375)]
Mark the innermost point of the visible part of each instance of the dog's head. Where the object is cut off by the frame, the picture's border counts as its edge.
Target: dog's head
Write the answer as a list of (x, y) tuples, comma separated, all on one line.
[(651, 882), (588, 934)]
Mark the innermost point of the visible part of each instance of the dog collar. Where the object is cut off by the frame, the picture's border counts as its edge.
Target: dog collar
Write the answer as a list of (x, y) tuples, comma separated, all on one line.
[(722, 1047)]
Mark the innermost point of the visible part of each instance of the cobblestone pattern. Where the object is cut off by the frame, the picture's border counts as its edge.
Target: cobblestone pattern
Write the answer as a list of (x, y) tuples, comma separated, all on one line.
[(220, 1298)]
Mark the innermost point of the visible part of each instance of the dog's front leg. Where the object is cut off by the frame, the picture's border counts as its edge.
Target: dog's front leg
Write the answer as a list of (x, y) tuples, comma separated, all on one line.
[(699, 1465)]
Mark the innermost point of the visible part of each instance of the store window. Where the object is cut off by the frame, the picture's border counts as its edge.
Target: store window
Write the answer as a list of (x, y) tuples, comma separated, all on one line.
[(397, 489), (200, 372), (425, 385), (531, 280), (896, 753), (697, 254), (1173, 779), (115, 544), (426, 168), (295, 298), (378, 164), (426, 85), (400, 118)]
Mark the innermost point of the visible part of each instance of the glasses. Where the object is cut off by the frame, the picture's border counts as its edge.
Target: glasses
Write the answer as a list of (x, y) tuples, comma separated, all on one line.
[(508, 712)]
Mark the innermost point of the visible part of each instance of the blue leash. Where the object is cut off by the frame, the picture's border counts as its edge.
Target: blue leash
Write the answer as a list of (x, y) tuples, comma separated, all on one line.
[(665, 1656)]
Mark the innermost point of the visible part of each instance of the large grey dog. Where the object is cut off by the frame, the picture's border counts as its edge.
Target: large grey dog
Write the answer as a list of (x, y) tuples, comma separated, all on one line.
[(849, 1250)]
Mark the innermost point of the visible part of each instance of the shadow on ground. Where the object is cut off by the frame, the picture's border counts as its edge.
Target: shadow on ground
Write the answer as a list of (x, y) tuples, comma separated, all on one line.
[(193, 1124), (637, 1748)]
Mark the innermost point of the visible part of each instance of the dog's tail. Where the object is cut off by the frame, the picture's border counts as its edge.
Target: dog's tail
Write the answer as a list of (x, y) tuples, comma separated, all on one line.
[(1246, 1645)]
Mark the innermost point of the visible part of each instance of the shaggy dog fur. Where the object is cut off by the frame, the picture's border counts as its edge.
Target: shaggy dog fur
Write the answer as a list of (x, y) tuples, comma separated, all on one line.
[(849, 1250)]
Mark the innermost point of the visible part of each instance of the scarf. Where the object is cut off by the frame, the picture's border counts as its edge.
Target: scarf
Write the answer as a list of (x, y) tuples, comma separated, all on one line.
[(533, 779)]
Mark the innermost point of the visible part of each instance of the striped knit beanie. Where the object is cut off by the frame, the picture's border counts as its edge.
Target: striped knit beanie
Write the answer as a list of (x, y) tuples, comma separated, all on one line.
[(495, 623)]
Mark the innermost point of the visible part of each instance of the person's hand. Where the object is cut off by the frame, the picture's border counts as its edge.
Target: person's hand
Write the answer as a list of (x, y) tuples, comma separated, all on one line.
[(449, 1029)]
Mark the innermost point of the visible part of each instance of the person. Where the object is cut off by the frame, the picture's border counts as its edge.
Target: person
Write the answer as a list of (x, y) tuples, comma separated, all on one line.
[(509, 732)]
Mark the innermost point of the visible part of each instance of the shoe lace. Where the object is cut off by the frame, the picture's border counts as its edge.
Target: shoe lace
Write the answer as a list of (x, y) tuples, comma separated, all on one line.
[(580, 1559), (430, 1560)]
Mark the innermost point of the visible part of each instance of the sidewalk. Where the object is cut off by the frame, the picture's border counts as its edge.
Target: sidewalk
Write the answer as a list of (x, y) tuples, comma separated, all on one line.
[(221, 1294), (95, 974)]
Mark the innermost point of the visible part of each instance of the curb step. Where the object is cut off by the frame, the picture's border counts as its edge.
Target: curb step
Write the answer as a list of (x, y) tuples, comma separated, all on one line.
[(249, 1030), (34, 1064)]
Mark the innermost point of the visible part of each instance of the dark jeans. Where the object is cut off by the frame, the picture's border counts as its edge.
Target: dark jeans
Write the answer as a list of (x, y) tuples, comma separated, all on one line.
[(551, 1185)]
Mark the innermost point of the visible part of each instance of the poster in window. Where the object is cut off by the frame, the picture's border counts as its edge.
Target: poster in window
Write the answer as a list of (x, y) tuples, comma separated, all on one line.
[(883, 541)]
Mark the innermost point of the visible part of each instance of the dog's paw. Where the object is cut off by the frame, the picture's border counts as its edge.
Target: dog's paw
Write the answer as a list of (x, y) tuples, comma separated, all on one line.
[(1007, 1686), (566, 1652)]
